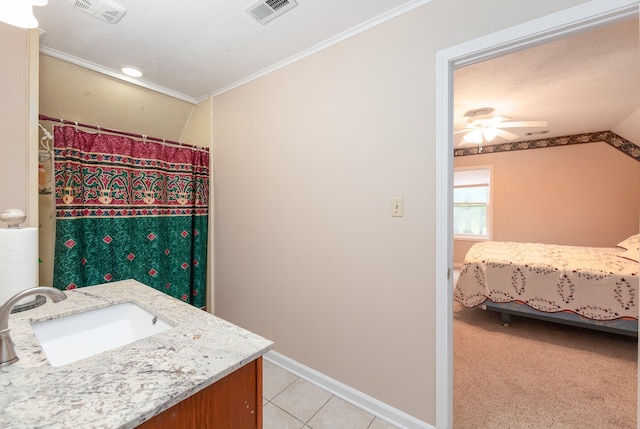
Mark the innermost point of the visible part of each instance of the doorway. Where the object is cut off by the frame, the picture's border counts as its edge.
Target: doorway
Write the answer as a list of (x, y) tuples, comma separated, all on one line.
[(555, 26)]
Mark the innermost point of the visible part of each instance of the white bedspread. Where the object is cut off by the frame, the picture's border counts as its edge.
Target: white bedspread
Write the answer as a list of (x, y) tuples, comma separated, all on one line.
[(595, 283)]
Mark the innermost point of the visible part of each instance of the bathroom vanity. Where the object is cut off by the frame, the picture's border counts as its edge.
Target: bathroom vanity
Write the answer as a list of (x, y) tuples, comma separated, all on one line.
[(200, 372)]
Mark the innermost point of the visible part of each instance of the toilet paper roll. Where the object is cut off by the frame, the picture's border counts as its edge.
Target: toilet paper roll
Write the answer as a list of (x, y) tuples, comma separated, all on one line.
[(18, 262)]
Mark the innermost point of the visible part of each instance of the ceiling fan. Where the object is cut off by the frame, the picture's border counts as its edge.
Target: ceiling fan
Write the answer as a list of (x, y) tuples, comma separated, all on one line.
[(482, 126)]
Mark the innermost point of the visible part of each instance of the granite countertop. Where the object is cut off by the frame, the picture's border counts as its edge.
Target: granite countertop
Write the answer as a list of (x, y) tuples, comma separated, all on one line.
[(126, 386)]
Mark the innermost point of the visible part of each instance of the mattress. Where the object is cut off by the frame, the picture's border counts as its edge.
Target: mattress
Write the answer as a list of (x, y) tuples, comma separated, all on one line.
[(593, 282)]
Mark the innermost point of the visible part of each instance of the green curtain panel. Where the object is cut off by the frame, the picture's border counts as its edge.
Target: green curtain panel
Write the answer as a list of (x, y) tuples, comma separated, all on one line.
[(129, 209)]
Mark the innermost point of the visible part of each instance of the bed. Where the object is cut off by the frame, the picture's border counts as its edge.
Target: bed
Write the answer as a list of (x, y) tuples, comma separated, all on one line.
[(592, 287)]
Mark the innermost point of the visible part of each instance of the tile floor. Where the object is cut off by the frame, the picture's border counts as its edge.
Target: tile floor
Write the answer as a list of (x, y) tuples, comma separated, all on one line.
[(293, 403)]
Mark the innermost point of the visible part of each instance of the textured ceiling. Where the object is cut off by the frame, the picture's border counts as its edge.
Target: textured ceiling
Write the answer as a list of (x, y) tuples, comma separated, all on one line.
[(198, 47), (585, 83)]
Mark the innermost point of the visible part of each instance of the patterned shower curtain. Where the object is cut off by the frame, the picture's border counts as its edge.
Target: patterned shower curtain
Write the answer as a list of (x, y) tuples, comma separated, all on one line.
[(129, 209)]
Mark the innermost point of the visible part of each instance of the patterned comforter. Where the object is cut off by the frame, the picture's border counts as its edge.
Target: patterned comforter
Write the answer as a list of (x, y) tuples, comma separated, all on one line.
[(596, 283)]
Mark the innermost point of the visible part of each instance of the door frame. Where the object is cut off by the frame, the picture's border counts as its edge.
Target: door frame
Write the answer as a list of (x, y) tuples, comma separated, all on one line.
[(542, 30)]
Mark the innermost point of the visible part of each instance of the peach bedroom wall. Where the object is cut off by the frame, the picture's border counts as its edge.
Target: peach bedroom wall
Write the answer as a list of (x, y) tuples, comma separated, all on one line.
[(583, 195)]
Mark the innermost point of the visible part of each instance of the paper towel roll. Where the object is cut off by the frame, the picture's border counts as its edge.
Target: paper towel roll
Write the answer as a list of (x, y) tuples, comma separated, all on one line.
[(18, 262)]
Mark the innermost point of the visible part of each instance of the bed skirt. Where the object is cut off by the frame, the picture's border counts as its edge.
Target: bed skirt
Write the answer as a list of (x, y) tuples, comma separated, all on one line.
[(624, 326)]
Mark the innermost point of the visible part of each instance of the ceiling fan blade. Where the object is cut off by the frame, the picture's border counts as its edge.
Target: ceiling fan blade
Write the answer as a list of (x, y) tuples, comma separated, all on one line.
[(495, 121), (523, 124), (465, 130), (506, 134)]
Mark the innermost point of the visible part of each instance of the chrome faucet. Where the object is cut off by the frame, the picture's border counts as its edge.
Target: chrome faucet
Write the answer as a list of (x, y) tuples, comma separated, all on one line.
[(7, 351)]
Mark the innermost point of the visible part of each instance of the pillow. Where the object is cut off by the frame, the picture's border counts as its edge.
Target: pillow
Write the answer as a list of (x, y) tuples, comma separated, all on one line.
[(630, 243), (632, 254)]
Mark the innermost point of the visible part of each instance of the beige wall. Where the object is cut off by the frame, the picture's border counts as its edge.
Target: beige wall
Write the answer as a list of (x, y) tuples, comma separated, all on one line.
[(579, 195), (307, 159), (75, 93), (198, 129)]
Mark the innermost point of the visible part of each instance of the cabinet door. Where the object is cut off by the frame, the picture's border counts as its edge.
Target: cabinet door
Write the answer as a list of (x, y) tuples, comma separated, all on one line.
[(233, 402)]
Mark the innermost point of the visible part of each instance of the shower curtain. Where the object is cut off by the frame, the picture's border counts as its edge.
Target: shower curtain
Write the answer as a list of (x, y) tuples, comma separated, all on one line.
[(130, 209)]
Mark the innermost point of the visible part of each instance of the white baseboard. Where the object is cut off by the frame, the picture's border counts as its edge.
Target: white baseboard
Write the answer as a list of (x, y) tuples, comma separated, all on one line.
[(353, 396)]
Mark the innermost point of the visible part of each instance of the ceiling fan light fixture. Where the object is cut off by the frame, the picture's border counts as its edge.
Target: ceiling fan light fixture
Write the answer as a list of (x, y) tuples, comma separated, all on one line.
[(489, 133), (473, 136), (483, 127)]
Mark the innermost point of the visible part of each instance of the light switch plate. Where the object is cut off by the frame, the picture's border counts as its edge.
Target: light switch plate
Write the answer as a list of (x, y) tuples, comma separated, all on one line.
[(396, 207)]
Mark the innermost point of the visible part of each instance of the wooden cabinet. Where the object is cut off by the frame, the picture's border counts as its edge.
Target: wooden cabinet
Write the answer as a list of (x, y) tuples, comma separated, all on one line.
[(235, 402)]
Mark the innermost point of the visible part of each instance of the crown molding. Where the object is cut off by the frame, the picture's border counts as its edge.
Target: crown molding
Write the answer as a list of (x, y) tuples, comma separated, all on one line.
[(326, 44)]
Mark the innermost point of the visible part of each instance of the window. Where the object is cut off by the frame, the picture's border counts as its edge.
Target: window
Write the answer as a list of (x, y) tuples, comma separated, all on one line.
[(471, 203)]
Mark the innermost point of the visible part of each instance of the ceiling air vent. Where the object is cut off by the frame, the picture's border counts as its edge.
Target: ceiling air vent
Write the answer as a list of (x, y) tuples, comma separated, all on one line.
[(264, 11), (105, 10)]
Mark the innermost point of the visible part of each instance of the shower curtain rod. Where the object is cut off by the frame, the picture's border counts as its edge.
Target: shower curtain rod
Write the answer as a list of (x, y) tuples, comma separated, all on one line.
[(124, 133)]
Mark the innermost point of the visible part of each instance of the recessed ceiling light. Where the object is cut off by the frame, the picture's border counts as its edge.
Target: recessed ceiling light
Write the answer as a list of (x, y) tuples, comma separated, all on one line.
[(132, 71)]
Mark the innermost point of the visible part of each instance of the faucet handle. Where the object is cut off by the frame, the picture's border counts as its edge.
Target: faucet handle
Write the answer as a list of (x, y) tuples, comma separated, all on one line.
[(13, 217), (8, 354)]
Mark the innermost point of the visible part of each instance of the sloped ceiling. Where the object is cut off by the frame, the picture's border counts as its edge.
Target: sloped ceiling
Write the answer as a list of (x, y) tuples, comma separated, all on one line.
[(585, 83)]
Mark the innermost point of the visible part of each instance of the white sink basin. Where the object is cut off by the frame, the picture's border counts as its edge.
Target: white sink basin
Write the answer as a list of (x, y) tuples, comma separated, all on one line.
[(71, 338)]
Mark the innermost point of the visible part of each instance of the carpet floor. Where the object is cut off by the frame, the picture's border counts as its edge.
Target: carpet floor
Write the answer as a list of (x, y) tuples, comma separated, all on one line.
[(536, 374)]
